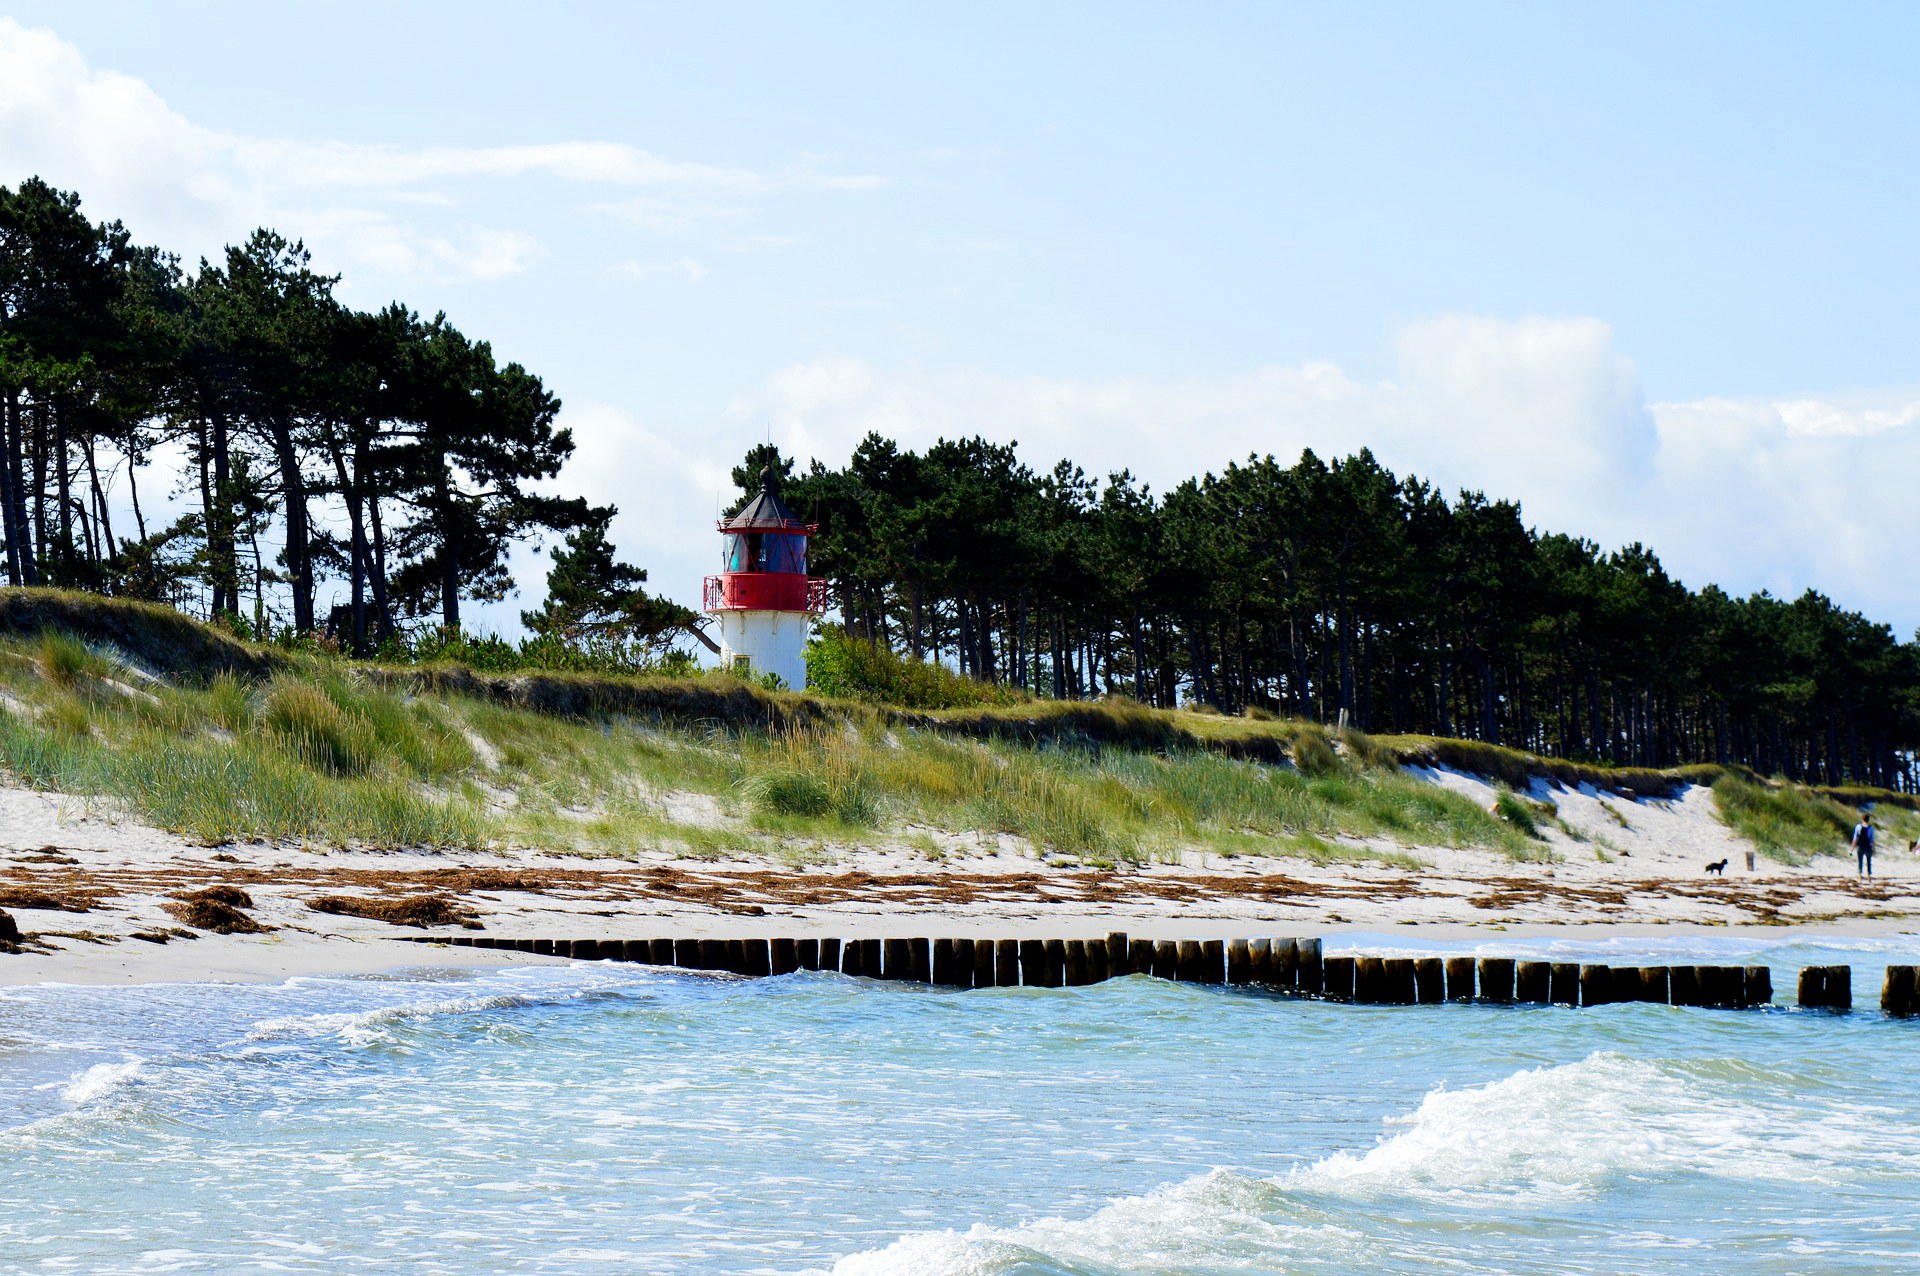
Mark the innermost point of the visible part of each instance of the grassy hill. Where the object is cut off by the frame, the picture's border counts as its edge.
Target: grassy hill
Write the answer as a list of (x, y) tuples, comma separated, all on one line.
[(186, 728)]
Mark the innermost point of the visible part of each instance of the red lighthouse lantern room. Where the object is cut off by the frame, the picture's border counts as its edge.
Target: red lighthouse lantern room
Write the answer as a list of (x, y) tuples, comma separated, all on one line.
[(763, 598)]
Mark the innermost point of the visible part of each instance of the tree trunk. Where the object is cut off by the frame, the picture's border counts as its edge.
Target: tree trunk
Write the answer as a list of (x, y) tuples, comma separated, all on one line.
[(294, 495)]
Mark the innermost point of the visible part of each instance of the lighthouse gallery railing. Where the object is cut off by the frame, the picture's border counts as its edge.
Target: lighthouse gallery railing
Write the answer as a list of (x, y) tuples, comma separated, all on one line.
[(765, 591)]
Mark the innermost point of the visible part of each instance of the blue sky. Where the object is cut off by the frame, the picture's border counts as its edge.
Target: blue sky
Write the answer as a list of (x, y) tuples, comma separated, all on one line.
[(1648, 269)]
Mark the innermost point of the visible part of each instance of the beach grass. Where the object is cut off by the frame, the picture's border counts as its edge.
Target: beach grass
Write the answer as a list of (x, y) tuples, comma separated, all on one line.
[(315, 752), (184, 727), (1784, 822)]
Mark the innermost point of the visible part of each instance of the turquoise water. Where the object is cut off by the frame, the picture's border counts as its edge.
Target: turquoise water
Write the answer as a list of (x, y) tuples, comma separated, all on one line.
[(615, 1119)]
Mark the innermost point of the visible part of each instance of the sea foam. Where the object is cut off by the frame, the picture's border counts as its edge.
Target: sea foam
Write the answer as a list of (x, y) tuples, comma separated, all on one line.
[(1538, 1137)]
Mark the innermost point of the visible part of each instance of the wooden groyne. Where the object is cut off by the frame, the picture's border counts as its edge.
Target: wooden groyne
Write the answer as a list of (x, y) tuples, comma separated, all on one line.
[(1291, 966)]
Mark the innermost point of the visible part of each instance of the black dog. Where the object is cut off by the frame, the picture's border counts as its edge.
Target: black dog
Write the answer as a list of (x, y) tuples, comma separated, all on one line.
[(1718, 870)]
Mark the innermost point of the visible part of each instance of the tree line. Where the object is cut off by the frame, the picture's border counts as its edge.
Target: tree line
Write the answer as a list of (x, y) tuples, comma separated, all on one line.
[(1338, 591), (388, 451), (311, 442)]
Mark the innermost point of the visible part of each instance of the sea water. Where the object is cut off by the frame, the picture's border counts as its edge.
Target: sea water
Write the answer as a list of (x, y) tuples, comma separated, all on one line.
[(607, 1118)]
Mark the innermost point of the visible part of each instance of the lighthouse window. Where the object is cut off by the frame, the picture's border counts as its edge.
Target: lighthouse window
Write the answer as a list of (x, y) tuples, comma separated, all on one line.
[(786, 552), (766, 552)]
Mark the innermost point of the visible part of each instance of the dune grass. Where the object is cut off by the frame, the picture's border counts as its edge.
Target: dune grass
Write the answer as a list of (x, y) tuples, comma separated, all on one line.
[(1784, 822), (322, 754)]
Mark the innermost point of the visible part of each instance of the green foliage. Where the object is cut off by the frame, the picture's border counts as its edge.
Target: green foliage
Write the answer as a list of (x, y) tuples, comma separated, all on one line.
[(1787, 823), (1369, 751), (316, 729), (1313, 753), (842, 666), (66, 661), (1517, 811), (596, 608)]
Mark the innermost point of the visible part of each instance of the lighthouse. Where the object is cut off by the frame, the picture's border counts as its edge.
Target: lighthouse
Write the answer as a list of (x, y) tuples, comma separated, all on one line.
[(763, 597)]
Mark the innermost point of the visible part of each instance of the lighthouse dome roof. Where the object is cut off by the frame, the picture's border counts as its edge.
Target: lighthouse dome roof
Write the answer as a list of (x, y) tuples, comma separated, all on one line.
[(765, 512)]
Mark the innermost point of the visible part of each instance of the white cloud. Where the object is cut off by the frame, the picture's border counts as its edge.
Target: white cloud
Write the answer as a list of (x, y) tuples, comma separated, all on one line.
[(192, 188), (1749, 494), (640, 273)]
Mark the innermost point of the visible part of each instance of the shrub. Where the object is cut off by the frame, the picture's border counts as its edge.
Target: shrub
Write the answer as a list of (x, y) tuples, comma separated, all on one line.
[(788, 793), (839, 664), (1313, 753), (65, 661), (1517, 811), (323, 736), (1367, 751)]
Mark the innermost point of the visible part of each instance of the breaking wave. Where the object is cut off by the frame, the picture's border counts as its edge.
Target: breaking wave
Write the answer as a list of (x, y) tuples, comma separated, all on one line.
[(1539, 1137)]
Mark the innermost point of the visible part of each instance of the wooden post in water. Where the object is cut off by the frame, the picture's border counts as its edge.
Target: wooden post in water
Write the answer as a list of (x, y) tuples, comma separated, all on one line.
[(1496, 979), (806, 954), (1683, 985), (1187, 970), (1756, 986), (784, 956), (1260, 961), (1033, 963), (1075, 967), (1006, 963), (1460, 979), (1721, 986), (920, 961), (1117, 963), (1213, 961), (1565, 984), (870, 950), (1286, 963), (1097, 969), (1309, 977), (1900, 992), (543, 948), (713, 954), (896, 962), (640, 950), (1369, 981), (984, 963), (1596, 985), (1166, 959), (686, 954), (1054, 955), (1430, 980), (1832, 987), (966, 972), (1239, 962), (830, 954), (661, 953), (1398, 986), (1140, 956), (1336, 978), (1656, 985), (943, 965), (755, 961), (1533, 982)]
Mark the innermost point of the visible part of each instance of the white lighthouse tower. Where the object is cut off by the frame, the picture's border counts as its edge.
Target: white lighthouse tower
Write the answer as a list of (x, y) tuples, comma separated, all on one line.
[(763, 598)]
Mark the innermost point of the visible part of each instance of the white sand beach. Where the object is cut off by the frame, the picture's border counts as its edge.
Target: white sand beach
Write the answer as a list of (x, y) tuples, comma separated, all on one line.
[(97, 896)]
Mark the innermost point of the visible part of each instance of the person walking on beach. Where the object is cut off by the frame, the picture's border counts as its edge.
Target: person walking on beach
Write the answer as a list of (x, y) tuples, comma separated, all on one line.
[(1863, 844)]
